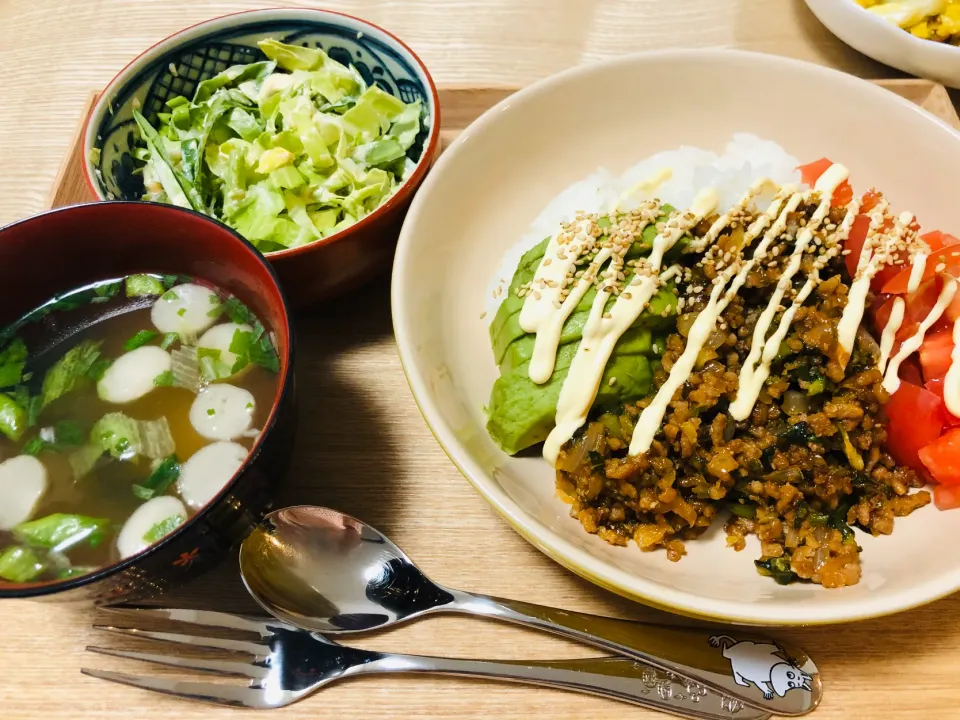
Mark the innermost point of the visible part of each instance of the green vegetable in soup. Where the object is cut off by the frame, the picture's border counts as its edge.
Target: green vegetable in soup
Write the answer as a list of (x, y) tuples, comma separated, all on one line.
[(143, 337), (164, 475), (83, 460), (164, 528), (12, 361), (61, 531), (143, 285), (164, 379), (64, 375), (118, 435), (73, 572), (13, 418), (20, 564), (63, 435)]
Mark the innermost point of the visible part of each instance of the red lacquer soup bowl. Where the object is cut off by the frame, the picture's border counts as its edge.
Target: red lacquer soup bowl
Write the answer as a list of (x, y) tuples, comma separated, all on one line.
[(63, 249)]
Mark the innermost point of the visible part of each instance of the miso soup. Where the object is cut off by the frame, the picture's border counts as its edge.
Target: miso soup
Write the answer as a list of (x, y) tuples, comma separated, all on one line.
[(125, 407)]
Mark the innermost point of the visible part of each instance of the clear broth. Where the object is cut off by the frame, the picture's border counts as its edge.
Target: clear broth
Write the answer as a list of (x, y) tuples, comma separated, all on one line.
[(106, 491)]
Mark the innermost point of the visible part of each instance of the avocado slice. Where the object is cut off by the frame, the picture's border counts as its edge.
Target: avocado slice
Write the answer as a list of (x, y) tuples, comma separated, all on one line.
[(522, 413)]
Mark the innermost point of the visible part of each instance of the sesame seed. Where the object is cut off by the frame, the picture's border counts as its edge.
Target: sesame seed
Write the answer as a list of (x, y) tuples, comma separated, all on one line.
[(613, 381), (547, 261)]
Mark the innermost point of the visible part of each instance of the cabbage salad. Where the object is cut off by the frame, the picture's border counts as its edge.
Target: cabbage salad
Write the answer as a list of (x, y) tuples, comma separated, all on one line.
[(285, 151)]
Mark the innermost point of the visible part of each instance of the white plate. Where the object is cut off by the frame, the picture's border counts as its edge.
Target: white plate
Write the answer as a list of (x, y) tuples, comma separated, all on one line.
[(887, 43), (492, 182)]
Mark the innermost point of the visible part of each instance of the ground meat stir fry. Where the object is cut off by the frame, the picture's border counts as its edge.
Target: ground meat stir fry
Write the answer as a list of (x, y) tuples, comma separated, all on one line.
[(800, 473)]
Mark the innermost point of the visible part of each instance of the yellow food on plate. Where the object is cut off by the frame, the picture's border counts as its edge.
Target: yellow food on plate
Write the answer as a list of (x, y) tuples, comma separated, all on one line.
[(937, 20)]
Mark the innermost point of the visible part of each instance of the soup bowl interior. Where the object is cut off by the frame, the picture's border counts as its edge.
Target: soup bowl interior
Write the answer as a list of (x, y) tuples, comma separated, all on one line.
[(519, 156), (53, 253)]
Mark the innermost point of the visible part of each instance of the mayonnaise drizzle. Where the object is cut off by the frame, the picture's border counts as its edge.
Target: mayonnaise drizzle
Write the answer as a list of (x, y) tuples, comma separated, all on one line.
[(891, 379), (603, 329), (652, 416), (752, 374), (890, 332), (951, 383), (919, 261), (873, 256)]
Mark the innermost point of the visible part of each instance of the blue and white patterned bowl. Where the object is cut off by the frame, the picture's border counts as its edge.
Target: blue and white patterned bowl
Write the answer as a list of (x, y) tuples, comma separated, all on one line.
[(176, 66)]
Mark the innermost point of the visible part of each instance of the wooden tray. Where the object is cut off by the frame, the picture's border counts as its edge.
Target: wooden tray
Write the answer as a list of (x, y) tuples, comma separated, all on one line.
[(459, 108), (363, 448)]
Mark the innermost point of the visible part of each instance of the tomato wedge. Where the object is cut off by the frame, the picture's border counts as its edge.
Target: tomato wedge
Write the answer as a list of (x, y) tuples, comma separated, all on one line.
[(942, 458), (937, 239), (936, 387), (915, 422), (947, 259), (854, 243), (946, 497), (935, 354), (910, 371), (811, 172)]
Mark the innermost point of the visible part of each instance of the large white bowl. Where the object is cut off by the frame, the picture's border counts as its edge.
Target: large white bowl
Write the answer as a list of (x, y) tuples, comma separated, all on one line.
[(503, 169), (887, 43)]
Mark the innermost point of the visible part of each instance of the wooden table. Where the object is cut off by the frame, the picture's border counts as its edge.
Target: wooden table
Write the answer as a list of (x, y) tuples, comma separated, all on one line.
[(353, 391)]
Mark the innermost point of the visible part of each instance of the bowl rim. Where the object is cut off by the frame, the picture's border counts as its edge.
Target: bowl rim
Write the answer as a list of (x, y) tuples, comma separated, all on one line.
[(529, 527), (949, 53), (284, 389), (402, 193)]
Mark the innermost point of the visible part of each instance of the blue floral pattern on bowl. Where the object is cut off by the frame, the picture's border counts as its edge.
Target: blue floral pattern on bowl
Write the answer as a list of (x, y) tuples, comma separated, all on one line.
[(177, 70)]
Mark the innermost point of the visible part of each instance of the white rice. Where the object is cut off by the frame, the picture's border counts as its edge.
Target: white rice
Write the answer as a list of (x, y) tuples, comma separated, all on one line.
[(746, 159)]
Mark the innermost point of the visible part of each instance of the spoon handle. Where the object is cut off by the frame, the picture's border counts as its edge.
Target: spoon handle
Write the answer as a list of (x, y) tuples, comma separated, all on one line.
[(610, 677), (756, 670)]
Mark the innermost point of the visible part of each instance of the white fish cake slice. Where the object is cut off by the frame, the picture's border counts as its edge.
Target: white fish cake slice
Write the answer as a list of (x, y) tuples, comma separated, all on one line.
[(208, 470), (23, 481), (187, 309), (219, 337), (132, 538), (132, 375), (222, 412)]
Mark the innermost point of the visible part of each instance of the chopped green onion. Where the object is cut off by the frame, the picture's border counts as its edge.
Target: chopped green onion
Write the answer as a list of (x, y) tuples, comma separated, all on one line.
[(168, 340), (61, 531), (164, 379), (165, 474), (140, 339), (20, 565), (143, 286), (76, 363), (164, 528)]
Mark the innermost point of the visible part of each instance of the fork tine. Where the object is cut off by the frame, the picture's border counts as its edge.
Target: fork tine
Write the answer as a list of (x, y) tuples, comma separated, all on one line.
[(244, 646), (224, 667), (202, 617), (232, 695)]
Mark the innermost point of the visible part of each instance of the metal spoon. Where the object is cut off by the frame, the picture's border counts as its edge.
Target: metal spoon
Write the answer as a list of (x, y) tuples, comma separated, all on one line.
[(321, 570)]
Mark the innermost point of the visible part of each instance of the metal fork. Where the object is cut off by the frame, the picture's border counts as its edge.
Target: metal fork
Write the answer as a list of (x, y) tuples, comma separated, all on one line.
[(285, 664)]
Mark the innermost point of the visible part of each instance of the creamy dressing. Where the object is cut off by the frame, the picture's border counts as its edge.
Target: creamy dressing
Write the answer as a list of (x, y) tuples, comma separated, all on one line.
[(752, 374), (890, 332), (891, 380), (951, 383), (604, 328), (916, 272), (868, 264)]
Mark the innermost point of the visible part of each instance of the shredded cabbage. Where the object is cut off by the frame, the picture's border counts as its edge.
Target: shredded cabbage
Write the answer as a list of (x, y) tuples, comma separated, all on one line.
[(285, 151)]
